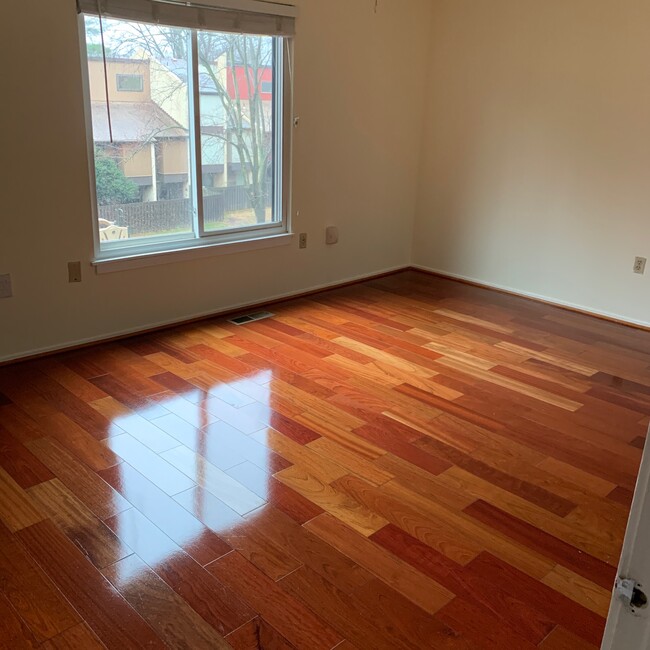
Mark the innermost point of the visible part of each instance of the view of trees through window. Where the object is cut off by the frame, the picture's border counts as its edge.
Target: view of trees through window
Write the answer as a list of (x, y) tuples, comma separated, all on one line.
[(142, 130)]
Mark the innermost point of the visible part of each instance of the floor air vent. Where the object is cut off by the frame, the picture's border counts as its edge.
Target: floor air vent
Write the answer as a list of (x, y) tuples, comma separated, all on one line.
[(251, 318)]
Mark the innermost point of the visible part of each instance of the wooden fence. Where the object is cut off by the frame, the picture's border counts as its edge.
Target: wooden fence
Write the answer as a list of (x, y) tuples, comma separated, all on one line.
[(158, 217)]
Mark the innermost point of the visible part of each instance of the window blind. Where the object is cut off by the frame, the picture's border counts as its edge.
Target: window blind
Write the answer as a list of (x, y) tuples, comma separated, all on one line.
[(238, 16)]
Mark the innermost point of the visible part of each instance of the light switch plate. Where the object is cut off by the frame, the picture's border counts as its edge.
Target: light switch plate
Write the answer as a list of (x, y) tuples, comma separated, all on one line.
[(74, 271), (6, 290)]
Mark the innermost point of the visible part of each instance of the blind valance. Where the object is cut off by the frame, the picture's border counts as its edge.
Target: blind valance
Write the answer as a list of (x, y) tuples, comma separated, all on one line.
[(238, 16)]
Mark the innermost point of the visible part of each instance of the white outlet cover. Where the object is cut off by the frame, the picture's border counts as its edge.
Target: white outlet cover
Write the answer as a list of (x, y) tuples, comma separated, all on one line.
[(6, 290), (332, 235), (639, 265)]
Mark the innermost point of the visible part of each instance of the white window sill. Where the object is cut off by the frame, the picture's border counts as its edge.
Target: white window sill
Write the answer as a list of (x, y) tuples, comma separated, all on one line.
[(141, 260)]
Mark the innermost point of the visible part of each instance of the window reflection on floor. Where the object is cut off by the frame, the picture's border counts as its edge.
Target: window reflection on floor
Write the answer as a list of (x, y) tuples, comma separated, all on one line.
[(187, 471)]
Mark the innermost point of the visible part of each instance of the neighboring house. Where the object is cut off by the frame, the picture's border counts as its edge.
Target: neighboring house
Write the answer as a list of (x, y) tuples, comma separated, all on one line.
[(150, 145), (170, 91), (239, 85), (221, 162), (241, 88), (150, 122)]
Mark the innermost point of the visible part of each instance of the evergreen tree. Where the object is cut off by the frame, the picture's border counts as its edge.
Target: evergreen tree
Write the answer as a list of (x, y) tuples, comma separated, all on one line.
[(112, 185)]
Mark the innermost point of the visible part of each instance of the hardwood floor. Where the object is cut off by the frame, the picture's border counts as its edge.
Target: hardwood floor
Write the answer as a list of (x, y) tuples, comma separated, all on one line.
[(405, 463)]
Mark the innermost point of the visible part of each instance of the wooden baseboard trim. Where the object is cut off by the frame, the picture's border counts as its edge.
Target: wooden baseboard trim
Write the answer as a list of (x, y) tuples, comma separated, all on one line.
[(543, 301), (189, 321)]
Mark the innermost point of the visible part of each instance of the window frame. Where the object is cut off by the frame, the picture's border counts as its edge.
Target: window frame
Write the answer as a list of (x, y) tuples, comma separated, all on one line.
[(166, 248)]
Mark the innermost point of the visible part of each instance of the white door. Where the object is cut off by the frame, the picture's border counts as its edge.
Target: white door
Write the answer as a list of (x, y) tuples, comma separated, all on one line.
[(628, 623)]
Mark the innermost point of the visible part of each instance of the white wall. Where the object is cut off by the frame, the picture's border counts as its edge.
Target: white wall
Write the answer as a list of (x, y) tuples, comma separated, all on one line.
[(360, 96), (535, 171)]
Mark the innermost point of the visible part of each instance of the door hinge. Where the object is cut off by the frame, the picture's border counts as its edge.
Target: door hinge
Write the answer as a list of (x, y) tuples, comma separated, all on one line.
[(631, 593)]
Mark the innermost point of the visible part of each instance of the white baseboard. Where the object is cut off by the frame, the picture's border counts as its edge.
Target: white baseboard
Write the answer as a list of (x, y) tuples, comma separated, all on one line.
[(590, 311), (110, 336)]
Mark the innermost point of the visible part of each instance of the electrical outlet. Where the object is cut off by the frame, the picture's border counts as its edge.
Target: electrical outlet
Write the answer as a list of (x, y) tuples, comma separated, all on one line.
[(74, 271), (303, 240), (5, 286), (639, 265), (331, 235)]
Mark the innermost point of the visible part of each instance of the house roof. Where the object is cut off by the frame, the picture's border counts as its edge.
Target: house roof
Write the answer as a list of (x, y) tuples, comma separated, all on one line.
[(134, 122), (178, 67)]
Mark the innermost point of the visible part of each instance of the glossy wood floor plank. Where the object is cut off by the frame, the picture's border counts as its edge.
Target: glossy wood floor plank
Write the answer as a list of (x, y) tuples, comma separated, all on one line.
[(172, 519), (531, 624), (579, 589), (32, 595), (292, 619), (550, 603), (167, 613), (333, 500), (258, 634), (568, 556), (561, 639), (80, 443), (13, 632), (483, 629), (152, 466), (426, 593), (88, 591), (308, 549), (218, 605), (79, 524), (79, 637), (85, 484), (408, 462), (16, 508)]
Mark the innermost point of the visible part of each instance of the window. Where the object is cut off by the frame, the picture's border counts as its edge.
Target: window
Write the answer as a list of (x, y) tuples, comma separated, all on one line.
[(190, 147), (133, 83)]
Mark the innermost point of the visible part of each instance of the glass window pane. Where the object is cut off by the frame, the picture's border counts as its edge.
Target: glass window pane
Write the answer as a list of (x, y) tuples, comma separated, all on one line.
[(144, 187), (237, 117)]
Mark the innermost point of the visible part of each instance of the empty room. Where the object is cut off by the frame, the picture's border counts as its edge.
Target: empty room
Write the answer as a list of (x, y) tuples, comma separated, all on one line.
[(325, 324)]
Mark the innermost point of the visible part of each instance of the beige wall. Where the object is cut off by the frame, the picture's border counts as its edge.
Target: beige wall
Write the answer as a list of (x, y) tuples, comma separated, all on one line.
[(175, 155), (137, 160), (536, 164), (356, 162)]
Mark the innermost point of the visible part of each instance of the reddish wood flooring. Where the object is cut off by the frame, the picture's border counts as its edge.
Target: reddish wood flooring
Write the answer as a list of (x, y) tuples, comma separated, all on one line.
[(406, 463)]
